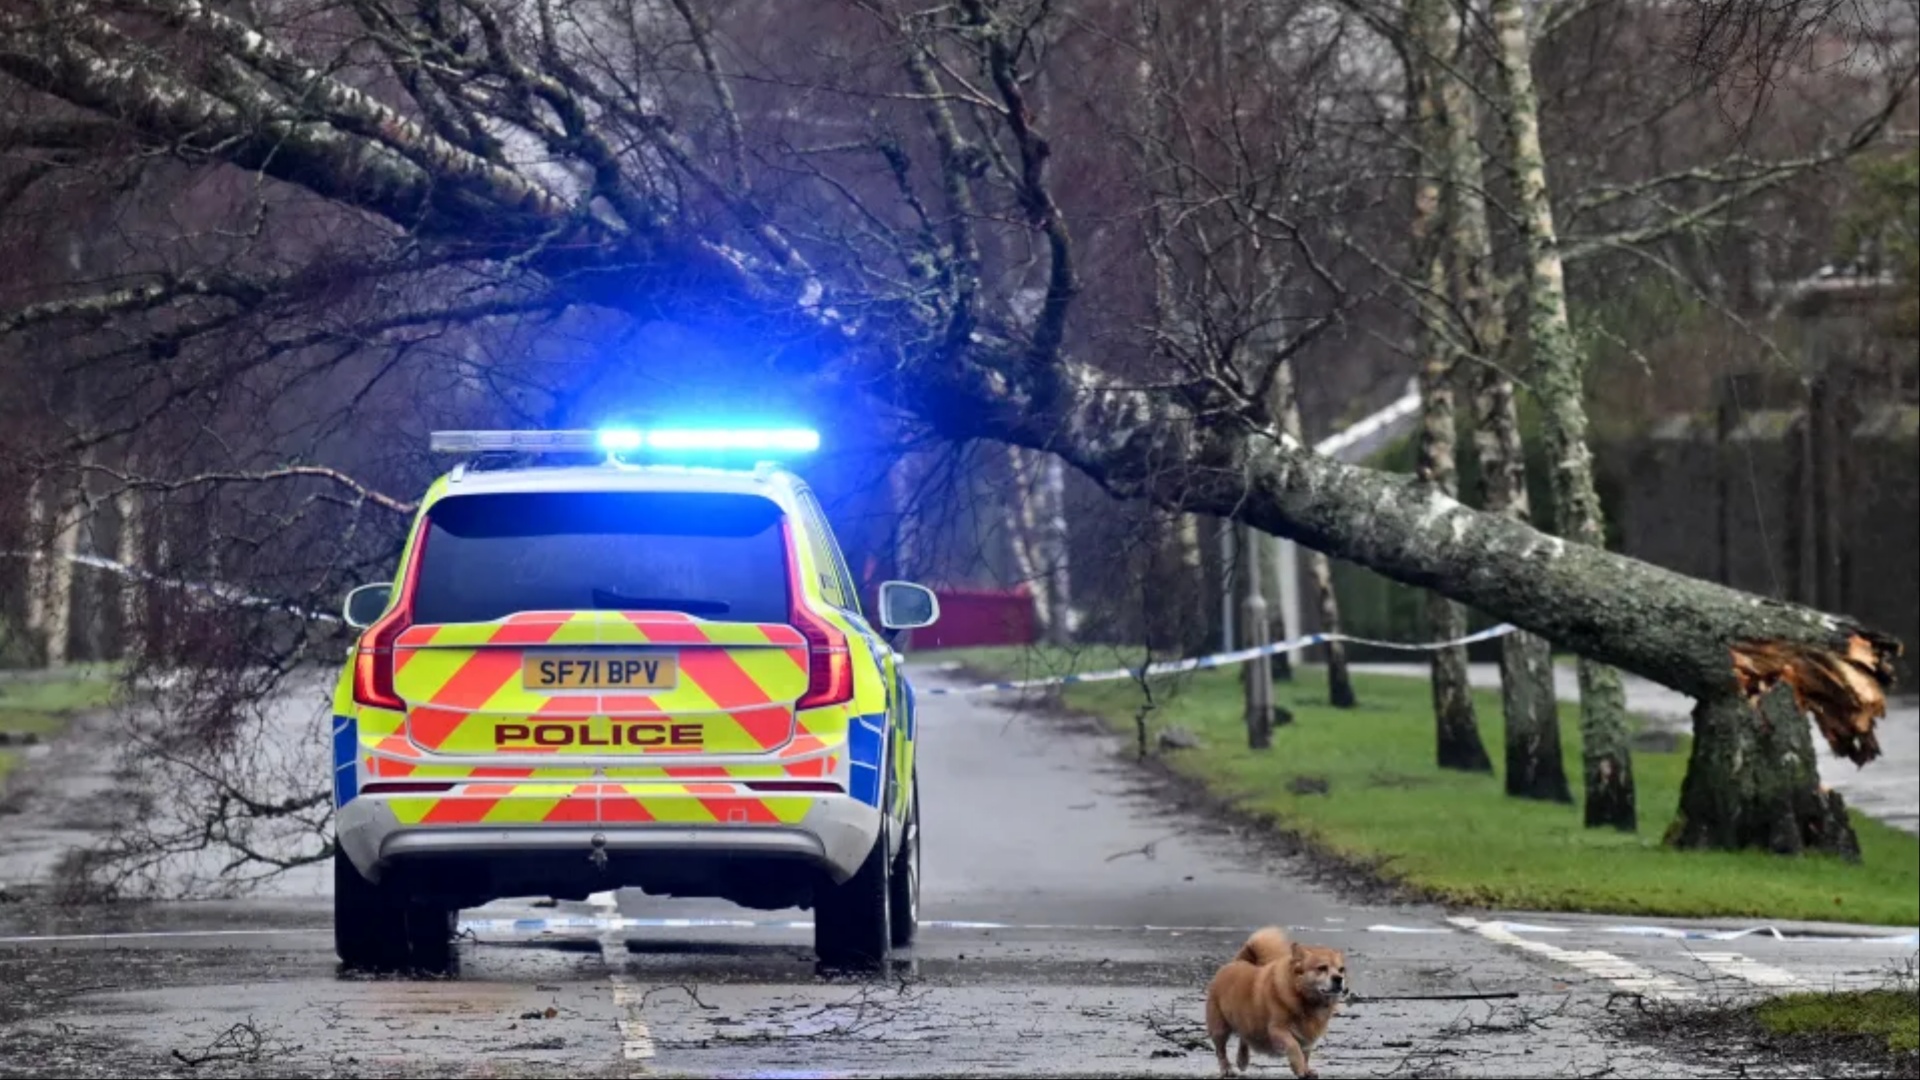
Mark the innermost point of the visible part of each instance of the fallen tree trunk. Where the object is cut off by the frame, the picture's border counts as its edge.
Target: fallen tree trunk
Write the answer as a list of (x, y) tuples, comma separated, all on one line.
[(1700, 638)]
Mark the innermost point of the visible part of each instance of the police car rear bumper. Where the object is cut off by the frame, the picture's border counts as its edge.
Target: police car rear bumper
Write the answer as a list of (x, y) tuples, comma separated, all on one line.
[(835, 835)]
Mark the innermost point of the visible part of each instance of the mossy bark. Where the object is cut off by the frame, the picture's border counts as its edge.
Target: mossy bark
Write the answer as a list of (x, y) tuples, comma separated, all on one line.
[(1319, 567), (1457, 743), (1558, 369), (1530, 709), (1753, 782)]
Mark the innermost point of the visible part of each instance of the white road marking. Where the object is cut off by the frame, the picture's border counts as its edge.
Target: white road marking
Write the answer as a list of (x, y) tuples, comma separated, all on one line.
[(124, 935), (636, 1042), (1751, 970), (1627, 976)]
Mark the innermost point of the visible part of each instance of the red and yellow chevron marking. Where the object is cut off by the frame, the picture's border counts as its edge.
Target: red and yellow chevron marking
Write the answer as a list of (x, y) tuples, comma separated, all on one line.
[(736, 683), (595, 803)]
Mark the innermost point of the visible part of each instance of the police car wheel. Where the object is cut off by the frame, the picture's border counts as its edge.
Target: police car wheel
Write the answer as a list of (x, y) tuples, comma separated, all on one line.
[(430, 930), (852, 924), (904, 904), (369, 927)]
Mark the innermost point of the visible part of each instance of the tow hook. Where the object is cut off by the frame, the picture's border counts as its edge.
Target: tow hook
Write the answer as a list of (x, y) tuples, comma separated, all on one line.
[(598, 856)]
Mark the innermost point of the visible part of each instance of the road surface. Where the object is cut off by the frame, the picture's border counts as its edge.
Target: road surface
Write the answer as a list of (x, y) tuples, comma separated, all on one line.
[(1073, 920)]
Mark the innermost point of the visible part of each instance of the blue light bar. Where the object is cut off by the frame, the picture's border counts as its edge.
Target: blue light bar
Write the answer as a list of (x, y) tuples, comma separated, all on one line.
[(628, 440), (802, 440), (620, 439)]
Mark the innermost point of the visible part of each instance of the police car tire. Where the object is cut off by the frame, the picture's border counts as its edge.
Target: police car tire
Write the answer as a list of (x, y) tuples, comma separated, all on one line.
[(369, 927), (852, 926), (904, 903), (429, 935)]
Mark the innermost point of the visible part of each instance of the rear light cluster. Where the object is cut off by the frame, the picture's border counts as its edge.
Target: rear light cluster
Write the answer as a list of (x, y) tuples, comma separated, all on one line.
[(373, 657), (829, 664)]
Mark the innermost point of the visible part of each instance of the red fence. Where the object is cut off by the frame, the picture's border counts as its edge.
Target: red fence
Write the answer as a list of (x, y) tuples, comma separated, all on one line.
[(980, 617)]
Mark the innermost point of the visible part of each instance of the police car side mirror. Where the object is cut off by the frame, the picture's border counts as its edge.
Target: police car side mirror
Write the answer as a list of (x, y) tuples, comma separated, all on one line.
[(365, 604), (906, 606)]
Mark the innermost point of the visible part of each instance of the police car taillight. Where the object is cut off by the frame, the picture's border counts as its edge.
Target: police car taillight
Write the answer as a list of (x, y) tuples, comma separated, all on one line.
[(373, 656), (829, 664), (373, 662)]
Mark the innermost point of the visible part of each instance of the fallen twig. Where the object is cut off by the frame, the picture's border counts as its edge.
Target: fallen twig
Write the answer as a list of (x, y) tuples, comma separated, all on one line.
[(1495, 995)]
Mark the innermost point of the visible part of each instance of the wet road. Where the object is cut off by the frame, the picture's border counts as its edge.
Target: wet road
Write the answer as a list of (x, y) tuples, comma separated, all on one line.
[(1073, 920)]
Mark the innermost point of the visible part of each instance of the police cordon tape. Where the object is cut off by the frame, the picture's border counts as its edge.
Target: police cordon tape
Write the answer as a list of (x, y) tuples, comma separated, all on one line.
[(1238, 656)]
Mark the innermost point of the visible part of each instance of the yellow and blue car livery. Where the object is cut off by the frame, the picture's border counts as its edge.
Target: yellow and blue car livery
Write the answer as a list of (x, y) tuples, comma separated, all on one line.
[(758, 749)]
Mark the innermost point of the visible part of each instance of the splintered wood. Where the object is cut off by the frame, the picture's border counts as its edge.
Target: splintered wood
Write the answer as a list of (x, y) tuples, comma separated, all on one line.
[(1844, 690)]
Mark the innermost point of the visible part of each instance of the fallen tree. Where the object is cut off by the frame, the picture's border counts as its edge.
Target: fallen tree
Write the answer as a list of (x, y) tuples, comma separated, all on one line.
[(901, 301)]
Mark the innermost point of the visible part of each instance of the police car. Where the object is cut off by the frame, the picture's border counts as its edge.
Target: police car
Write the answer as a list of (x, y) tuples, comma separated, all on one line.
[(595, 670)]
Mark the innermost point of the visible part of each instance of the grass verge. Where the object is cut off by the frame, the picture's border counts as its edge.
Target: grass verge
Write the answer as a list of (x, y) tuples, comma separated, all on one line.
[(1889, 1018), (38, 707), (1360, 785)]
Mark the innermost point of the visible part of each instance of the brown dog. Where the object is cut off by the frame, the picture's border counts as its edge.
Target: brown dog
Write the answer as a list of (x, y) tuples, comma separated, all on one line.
[(1278, 996)]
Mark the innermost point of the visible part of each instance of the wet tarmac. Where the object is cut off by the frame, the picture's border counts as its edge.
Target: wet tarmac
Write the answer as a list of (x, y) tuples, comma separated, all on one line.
[(1071, 922)]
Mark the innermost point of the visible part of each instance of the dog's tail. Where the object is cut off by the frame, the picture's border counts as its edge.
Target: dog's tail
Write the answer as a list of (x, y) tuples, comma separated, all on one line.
[(1265, 946)]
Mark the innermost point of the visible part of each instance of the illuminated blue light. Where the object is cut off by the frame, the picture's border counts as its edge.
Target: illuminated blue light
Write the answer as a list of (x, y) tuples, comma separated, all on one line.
[(801, 440), (620, 439)]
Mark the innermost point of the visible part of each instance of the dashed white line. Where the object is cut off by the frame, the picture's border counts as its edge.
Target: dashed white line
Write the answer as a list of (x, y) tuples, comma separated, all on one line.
[(636, 1042), (37, 939), (1751, 970), (1627, 976)]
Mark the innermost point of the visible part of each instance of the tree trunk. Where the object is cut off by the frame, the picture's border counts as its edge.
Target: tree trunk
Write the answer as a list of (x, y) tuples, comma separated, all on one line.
[(1339, 681), (1196, 636), (1279, 664), (1457, 742), (131, 589), (1054, 553), (1559, 369), (1753, 783), (1255, 676), (1456, 728), (1530, 708), (1024, 516), (54, 534)]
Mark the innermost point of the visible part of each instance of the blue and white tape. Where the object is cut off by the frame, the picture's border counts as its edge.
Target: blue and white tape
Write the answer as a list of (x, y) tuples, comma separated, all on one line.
[(1200, 663)]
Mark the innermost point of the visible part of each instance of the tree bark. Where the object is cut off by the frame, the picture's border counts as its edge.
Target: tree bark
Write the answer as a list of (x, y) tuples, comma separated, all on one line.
[(1752, 781), (1319, 568), (1054, 551), (1530, 707), (1256, 676), (131, 544), (1559, 369), (1037, 556), (1273, 584), (1457, 743), (50, 580), (1456, 728), (1197, 636)]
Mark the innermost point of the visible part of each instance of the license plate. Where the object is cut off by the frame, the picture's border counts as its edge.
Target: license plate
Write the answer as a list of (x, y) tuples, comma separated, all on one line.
[(555, 672)]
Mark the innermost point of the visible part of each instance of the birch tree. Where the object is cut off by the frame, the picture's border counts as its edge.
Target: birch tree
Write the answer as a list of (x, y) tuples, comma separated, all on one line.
[(1535, 767), (1456, 728), (1558, 370)]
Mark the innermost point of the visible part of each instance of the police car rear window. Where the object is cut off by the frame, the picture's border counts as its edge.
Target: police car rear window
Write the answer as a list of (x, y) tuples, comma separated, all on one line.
[(715, 555)]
